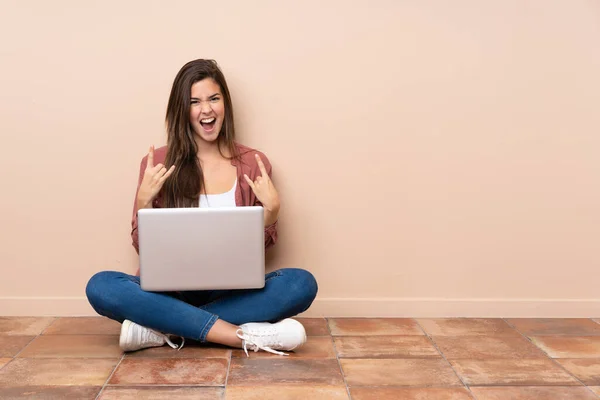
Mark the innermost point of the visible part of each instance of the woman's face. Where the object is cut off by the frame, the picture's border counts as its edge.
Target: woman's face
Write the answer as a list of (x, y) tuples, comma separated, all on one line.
[(207, 109)]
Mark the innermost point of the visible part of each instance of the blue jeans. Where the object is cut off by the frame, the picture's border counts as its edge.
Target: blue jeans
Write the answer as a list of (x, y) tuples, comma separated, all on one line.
[(192, 314)]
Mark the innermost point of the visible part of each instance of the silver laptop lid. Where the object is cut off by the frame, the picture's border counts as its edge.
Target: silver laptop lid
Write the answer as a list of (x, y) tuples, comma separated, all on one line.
[(201, 248)]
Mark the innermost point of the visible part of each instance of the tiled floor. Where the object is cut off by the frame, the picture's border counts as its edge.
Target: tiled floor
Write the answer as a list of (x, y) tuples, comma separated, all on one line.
[(358, 358)]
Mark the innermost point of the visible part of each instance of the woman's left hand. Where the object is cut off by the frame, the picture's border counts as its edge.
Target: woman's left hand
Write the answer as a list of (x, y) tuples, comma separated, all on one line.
[(265, 192)]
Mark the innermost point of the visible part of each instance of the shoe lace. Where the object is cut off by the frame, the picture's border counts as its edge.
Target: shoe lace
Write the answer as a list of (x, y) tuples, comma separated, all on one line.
[(260, 340), (173, 345), (153, 336)]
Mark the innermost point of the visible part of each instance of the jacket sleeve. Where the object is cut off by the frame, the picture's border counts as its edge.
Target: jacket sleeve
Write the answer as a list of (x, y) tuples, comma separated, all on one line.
[(270, 235), (271, 230), (134, 219)]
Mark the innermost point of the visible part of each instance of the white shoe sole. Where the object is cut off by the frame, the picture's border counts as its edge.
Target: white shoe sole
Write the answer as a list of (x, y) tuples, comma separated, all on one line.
[(297, 323), (125, 335)]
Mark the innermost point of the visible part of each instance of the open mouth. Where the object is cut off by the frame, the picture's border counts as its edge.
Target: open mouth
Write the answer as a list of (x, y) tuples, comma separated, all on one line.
[(208, 123)]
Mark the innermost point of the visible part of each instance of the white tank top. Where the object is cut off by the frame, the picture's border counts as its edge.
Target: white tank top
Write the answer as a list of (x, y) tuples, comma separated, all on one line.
[(226, 199)]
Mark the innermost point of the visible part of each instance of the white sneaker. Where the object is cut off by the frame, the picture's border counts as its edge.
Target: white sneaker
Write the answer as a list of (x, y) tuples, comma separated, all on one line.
[(135, 337), (287, 334)]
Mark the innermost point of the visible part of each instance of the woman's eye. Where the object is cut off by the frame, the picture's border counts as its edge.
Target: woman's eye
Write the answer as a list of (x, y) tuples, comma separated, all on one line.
[(215, 99)]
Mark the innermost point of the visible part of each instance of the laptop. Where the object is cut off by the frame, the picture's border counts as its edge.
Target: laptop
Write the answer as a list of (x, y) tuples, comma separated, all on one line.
[(201, 248)]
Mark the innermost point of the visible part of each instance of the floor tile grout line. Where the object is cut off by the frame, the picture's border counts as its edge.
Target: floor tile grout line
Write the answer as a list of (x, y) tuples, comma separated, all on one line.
[(159, 385), (594, 393), (423, 386), (110, 376), (337, 357), (228, 368), (521, 385), (444, 357), (54, 319), (77, 334), (11, 360), (548, 356), (31, 341)]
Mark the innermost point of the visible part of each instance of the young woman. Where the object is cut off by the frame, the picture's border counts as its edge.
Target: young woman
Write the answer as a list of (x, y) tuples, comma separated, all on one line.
[(204, 166)]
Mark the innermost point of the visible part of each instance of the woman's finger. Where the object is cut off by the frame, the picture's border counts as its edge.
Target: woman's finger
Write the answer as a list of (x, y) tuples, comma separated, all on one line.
[(160, 173), (167, 174), (250, 182), (261, 167), (150, 163), (158, 167)]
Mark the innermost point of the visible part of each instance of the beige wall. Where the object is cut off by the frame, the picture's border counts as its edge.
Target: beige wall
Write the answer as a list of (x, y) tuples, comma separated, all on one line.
[(433, 158)]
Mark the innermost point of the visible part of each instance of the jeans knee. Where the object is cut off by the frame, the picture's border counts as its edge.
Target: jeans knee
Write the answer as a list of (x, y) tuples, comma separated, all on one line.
[(303, 286), (96, 288)]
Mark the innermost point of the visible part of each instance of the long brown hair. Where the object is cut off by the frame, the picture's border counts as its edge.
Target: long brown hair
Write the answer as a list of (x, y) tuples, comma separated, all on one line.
[(184, 186)]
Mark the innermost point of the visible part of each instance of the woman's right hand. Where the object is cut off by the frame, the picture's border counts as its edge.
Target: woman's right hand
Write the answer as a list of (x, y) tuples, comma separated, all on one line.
[(153, 180)]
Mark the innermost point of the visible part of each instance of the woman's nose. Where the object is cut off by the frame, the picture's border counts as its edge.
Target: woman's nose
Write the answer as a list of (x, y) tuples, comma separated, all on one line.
[(205, 107)]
